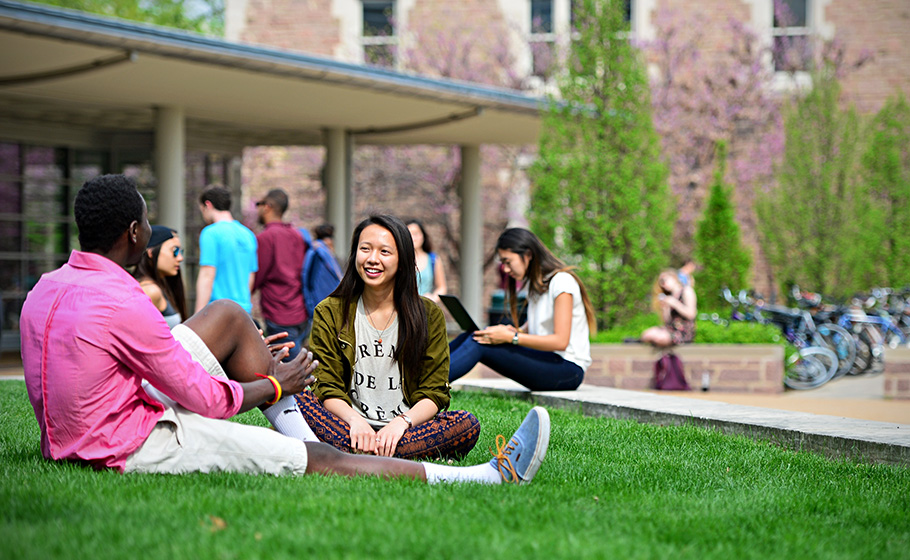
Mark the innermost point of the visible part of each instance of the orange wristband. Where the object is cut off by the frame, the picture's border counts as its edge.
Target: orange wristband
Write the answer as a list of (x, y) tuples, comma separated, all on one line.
[(275, 384)]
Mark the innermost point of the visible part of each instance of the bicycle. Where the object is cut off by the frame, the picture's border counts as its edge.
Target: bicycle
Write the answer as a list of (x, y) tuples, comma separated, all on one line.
[(812, 364)]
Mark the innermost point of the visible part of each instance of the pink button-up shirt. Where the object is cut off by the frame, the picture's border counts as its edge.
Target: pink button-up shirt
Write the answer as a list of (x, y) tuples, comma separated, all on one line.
[(90, 335)]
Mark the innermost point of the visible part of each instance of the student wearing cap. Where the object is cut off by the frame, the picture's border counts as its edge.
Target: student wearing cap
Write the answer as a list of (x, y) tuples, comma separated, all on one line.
[(158, 273)]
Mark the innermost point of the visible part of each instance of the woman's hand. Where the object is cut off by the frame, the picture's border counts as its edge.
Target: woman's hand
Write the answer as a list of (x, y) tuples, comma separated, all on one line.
[(363, 436), (495, 334), (388, 437)]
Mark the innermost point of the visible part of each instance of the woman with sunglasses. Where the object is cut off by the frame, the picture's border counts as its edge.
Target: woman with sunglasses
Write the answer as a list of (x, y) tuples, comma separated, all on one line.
[(676, 304), (158, 273)]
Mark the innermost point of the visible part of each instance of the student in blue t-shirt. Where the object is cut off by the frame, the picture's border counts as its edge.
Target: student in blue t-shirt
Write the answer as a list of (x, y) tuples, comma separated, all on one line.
[(227, 253)]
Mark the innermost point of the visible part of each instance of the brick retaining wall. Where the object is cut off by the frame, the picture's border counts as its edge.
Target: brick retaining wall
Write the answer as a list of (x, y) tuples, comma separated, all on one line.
[(742, 368), (897, 373)]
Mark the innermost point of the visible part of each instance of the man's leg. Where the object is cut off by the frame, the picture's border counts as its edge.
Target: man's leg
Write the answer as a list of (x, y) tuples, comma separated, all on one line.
[(184, 442), (229, 334), (232, 337)]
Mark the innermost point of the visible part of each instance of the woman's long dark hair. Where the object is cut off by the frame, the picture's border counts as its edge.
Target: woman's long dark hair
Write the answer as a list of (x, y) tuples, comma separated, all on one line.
[(412, 316), (427, 245), (542, 267), (171, 286)]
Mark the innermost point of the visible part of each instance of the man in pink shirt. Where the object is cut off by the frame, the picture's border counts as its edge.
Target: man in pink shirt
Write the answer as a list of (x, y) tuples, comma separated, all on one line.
[(113, 388)]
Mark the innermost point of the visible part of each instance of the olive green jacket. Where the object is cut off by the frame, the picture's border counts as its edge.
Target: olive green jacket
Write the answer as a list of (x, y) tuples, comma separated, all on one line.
[(333, 345)]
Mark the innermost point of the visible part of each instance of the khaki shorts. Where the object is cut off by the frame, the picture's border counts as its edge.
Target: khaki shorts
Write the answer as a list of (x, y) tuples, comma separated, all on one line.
[(184, 442)]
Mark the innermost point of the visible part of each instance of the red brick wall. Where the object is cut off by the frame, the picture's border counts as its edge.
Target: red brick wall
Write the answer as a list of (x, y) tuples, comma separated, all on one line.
[(897, 373), (299, 25), (715, 14), (881, 27)]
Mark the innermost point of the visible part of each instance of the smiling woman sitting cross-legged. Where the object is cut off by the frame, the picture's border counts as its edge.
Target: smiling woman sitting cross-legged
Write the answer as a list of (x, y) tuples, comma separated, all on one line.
[(382, 383)]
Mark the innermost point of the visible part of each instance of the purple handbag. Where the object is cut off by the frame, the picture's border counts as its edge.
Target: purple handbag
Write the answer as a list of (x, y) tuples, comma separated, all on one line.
[(669, 374)]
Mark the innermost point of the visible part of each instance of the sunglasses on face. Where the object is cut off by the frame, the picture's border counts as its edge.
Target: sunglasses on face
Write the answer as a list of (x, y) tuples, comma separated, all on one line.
[(177, 251), (261, 203)]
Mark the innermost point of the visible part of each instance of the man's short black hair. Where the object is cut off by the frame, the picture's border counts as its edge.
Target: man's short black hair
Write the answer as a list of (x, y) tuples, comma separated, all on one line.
[(105, 207), (324, 231), (279, 200), (220, 197)]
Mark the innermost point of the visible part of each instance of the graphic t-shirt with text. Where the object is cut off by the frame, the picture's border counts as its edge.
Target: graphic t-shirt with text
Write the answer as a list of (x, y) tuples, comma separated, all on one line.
[(376, 387)]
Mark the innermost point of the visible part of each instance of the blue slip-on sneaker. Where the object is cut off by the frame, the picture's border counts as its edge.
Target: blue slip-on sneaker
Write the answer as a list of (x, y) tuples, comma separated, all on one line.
[(518, 461)]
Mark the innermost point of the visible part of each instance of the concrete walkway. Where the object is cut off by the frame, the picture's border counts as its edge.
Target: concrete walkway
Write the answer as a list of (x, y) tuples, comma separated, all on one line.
[(834, 436)]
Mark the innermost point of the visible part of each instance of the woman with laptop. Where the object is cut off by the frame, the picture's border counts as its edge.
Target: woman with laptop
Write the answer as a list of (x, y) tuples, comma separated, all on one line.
[(552, 350), (382, 381)]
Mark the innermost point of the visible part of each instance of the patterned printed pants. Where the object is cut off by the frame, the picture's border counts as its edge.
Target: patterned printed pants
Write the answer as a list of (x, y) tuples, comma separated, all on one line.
[(452, 433)]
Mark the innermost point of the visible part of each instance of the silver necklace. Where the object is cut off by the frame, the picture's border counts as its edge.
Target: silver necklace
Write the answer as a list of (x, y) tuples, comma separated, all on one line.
[(370, 319)]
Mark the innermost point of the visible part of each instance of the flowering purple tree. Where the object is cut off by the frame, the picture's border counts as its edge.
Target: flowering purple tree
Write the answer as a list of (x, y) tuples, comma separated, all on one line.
[(701, 99)]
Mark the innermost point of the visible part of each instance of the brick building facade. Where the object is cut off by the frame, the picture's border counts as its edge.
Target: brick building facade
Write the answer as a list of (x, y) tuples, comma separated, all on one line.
[(382, 31)]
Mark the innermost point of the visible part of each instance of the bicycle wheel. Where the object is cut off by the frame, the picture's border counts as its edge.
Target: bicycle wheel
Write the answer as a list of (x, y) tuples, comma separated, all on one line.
[(811, 367), (841, 342)]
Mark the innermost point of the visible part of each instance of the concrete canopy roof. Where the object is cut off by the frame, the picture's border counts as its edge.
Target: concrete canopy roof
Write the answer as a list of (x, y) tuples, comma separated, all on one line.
[(242, 94)]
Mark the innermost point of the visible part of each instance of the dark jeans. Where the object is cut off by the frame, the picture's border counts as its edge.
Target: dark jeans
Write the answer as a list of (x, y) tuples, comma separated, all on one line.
[(296, 334), (535, 369)]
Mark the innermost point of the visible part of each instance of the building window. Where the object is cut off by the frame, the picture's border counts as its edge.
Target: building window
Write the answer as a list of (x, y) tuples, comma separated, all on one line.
[(542, 40), (38, 185), (379, 42), (573, 15), (791, 31)]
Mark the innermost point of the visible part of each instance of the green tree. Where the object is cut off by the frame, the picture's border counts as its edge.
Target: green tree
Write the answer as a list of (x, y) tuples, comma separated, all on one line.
[(886, 166), (724, 260), (809, 222), (601, 198), (201, 16)]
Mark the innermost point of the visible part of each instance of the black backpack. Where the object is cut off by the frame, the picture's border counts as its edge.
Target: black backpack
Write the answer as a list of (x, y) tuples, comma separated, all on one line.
[(669, 374)]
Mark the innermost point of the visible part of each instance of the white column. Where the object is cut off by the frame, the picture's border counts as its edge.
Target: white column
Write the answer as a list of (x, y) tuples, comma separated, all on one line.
[(170, 167), (471, 233), (337, 184)]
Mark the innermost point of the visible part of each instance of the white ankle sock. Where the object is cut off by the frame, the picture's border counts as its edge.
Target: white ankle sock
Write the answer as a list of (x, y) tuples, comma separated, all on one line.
[(288, 419), (484, 473)]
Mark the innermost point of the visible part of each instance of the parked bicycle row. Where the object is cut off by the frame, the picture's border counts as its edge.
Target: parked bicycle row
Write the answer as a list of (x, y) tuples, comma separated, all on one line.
[(830, 339)]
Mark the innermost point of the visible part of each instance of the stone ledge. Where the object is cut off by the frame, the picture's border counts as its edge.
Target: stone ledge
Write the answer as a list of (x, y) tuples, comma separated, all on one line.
[(897, 373), (741, 368), (832, 436)]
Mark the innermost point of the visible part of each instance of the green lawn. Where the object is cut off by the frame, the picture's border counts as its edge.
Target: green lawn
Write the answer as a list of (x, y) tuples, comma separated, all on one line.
[(608, 489)]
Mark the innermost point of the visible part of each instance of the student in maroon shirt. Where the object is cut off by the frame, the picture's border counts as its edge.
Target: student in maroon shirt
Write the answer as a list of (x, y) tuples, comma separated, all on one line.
[(281, 253)]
